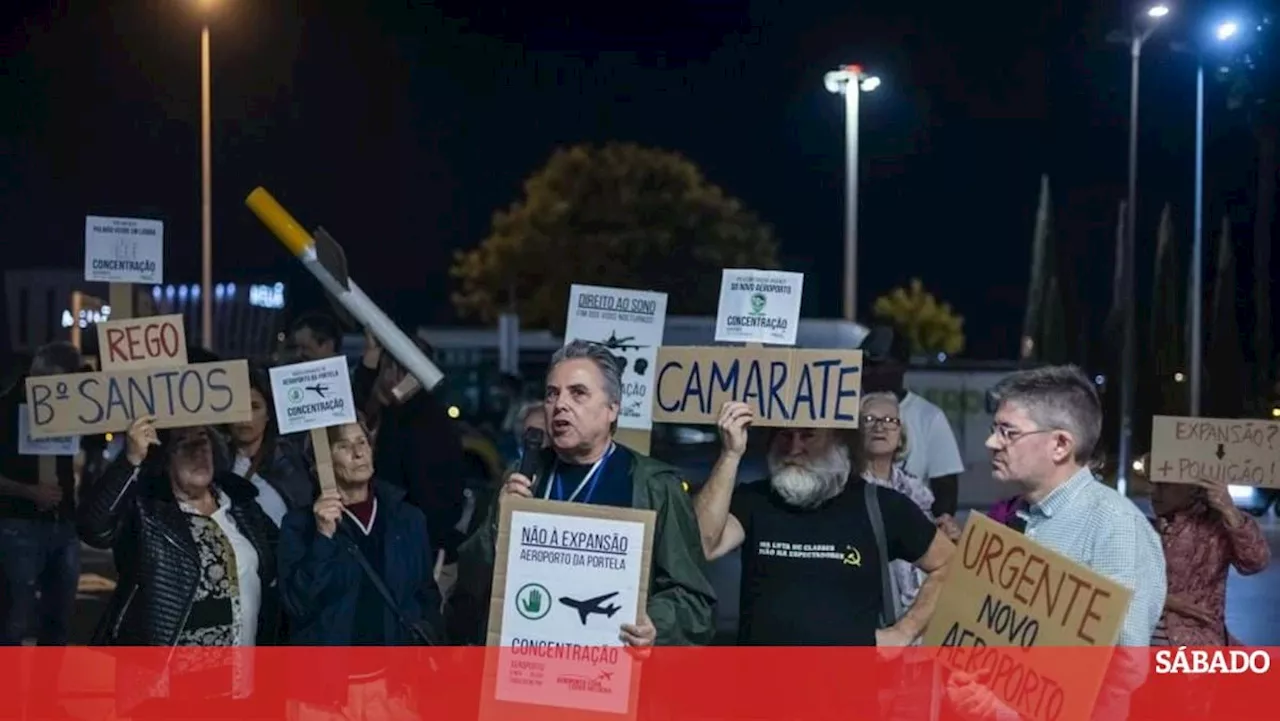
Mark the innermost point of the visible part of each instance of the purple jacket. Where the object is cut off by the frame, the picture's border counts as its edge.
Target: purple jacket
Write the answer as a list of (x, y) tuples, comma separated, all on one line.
[(1003, 511)]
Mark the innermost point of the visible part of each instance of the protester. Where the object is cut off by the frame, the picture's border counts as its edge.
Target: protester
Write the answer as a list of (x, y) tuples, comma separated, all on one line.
[(584, 465), (181, 532), (934, 455), (271, 466), (418, 448), (883, 444), (332, 599), (833, 594), (1203, 535), (1046, 426), (316, 336), (39, 551)]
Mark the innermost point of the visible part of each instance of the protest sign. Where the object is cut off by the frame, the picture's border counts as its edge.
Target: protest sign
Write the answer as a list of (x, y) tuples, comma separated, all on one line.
[(785, 387), (159, 342), (313, 396), (759, 306), (566, 577), (107, 402), (1004, 590), (1243, 451), (52, 446), (123, 250), (630, 324)]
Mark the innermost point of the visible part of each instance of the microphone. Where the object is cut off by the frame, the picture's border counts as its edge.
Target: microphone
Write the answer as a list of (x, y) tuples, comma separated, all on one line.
[(531, 444)]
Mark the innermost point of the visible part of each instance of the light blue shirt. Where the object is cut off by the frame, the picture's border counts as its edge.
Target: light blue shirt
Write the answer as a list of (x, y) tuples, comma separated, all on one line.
[(1095, 526)]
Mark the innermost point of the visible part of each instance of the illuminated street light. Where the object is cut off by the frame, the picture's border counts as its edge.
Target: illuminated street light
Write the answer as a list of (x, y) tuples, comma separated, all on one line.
[(1226, 30), (840, 82), (1141, 29)]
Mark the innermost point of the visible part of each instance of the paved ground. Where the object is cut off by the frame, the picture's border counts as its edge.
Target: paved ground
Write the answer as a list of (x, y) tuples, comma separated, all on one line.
[(1253, 603)]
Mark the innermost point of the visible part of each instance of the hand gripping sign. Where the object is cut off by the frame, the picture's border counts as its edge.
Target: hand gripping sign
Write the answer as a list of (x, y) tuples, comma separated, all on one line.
[(313, 396)]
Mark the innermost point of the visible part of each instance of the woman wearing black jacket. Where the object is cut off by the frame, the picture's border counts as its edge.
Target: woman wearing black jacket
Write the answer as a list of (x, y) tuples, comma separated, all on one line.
[(194, 551)]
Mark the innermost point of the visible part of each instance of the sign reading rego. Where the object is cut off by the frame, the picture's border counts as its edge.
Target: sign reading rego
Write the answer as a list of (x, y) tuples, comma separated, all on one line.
[(1242, 451), (107, 402), (315, 394), (1006, 590), (785, 387), (142, 343)]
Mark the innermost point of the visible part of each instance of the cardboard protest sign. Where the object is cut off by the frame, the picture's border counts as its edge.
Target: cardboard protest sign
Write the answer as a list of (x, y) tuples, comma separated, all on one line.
[(107, 402), (759, 306), (566, 577), (1005, 590), (313, 396), (158, 342), (786, 387), (1242, 451)]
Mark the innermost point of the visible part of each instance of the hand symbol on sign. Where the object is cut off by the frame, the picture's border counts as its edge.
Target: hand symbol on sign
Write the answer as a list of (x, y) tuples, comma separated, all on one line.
[(533, 602)]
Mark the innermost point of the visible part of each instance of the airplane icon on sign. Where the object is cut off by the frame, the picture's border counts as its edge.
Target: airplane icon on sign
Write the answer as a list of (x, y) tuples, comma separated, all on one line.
[(592, 605), (318, 389)]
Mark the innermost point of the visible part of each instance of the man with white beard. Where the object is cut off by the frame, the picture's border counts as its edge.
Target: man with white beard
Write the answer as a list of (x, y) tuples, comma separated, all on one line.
[(811, 574)]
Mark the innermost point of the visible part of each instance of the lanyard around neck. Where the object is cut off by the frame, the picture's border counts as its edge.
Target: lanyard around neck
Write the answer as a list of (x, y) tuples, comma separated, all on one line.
[(590, 478)]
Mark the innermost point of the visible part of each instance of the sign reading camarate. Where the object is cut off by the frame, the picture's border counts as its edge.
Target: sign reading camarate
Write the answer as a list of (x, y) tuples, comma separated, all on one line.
[(1005, 594), (315, 394), (785, 387), (630, 324), (28, 446), (566, 577), (123, 250), (107, 402), (759, 306), (157, 341), (1243, 452)]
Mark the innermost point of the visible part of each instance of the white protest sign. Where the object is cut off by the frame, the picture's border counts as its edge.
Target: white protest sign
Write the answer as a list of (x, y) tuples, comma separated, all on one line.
[(123, 250), (759, 306), (630, 324), (28, 446), (315, 394), (566, 577)]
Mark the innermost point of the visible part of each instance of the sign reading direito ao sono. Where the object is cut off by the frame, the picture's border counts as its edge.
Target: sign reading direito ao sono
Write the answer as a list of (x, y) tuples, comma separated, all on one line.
[(90, 403), (785, 387)]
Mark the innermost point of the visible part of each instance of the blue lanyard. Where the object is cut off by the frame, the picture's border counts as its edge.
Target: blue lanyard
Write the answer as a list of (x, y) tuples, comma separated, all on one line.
[(592, 478)]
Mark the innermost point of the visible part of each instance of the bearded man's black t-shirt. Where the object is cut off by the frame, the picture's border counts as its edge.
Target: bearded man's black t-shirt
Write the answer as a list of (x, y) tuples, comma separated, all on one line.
[(811, 577)]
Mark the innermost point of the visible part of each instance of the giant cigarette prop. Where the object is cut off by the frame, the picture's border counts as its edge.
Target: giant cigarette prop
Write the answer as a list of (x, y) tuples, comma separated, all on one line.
[(326, 264)]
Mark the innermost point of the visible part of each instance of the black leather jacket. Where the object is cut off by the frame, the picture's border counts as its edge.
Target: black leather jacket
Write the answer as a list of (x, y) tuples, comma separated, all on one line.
[(137, 517)]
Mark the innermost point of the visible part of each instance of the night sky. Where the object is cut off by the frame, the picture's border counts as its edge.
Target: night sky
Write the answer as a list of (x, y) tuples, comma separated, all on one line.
[(400, 127)]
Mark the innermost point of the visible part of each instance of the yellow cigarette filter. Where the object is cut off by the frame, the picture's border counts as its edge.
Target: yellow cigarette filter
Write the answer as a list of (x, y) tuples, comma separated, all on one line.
[(278, 220)]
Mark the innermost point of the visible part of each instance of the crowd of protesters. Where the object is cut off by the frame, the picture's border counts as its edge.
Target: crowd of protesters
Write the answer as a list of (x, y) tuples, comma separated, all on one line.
[(221, 536)]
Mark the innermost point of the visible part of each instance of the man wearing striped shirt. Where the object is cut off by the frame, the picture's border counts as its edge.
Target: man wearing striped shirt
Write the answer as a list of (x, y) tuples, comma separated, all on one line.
[(1046, 427)]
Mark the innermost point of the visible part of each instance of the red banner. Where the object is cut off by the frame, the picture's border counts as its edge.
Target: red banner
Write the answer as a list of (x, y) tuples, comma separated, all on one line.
[(558, 683)]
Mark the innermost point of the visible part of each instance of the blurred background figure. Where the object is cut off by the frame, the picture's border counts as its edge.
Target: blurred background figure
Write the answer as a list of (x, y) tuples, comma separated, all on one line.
[(316, 336)]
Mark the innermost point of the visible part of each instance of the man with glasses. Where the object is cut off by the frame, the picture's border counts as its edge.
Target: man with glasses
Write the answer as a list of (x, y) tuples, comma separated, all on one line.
[(1047, 424)]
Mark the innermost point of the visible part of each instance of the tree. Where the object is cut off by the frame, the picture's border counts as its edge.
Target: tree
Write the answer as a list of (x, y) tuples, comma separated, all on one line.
[(1168, 324), (1043, 325), (1224, 374), (930, 327), (619, 215)]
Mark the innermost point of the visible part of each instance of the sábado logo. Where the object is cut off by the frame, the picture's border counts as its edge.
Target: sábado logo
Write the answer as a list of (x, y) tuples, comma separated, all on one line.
[(1200, 660)]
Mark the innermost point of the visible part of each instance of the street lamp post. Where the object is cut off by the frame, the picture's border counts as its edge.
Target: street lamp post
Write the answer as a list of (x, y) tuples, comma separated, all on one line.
[(206, 196), (1223, 32), (851, 81), (1137, 37)]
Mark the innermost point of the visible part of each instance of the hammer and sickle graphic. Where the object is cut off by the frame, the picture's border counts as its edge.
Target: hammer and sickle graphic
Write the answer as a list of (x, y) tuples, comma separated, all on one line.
[(852, 557)]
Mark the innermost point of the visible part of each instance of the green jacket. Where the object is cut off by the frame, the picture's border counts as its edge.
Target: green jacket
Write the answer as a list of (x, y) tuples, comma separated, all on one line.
[(681, 599)]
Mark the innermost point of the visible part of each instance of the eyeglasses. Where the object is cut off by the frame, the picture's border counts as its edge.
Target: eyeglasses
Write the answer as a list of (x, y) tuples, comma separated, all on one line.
[(1009, 435), (887, 421)]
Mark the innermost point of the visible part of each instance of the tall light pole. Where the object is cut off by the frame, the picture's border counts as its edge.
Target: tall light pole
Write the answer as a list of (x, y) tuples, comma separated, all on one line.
[(206, 196), (851, 81), (1222, 33), (1142, 29)]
